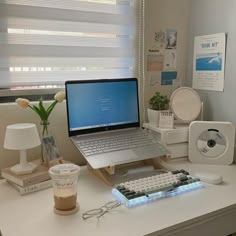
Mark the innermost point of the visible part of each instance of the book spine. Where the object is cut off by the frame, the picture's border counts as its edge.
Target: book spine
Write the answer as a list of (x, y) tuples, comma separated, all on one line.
[(11, 178), (27, 182), (35, 180), (32, 188)]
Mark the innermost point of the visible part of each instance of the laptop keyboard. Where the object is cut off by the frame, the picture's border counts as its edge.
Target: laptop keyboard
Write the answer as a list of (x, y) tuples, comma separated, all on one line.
[(110, 144), (137, 192)]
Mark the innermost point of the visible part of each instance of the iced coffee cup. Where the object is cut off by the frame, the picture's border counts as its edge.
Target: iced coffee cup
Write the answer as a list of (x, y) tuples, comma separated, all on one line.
[(64, 181)]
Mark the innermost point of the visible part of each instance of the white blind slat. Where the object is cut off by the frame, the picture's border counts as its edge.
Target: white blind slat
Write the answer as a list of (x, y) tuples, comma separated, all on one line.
[(74, 5), (17, 11), (65, 26), (69, 41), (66, 62), (18, 79), (63, 51)]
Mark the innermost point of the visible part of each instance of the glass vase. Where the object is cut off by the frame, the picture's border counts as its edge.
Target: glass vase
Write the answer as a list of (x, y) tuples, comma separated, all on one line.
[(44, 134)]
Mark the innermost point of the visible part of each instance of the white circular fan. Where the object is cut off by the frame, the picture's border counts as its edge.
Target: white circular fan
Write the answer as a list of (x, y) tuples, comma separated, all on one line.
[(185, 103)]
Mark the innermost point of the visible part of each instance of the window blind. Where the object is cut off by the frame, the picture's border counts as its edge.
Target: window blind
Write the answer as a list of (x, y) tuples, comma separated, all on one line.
[(48, 42)]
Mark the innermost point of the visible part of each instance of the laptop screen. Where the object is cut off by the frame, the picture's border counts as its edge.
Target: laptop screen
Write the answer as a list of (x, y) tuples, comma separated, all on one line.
[(99, 105)]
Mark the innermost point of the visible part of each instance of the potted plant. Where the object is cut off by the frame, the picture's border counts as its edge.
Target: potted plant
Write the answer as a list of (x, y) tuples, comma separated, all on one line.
[(157, 104)]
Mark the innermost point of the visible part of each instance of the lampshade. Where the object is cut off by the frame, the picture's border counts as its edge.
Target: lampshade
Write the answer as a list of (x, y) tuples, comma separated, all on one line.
[(21, 136)]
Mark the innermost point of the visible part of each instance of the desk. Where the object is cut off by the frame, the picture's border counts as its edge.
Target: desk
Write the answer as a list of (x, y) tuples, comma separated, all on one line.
[(209, 211)]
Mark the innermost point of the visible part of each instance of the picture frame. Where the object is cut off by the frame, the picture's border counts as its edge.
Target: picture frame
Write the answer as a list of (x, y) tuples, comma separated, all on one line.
[(50, 150)]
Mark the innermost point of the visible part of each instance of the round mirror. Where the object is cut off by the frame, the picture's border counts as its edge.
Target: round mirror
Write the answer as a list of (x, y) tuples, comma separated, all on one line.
[(185, 103)]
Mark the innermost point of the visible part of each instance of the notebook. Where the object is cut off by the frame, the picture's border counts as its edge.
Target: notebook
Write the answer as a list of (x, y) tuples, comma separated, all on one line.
[(104, 122)]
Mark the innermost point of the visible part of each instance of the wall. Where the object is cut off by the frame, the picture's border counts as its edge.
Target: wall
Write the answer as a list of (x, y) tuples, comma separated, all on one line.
[(209, 17), (162, 15), (192, 18), (11, 113)]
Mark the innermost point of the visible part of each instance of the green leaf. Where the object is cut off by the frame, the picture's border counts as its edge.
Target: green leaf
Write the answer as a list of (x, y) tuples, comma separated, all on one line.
[(43, 112), (36, 109), (50, 108)]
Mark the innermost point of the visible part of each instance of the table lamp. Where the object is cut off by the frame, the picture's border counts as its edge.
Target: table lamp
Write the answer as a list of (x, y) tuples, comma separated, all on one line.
[(21, 137)]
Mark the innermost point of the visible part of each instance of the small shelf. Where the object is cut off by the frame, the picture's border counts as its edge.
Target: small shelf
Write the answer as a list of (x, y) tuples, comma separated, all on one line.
[(160, 130), (175, 140)]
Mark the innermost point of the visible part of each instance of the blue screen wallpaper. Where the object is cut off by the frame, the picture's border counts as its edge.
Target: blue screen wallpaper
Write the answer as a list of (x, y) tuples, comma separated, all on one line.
[(102, 104)]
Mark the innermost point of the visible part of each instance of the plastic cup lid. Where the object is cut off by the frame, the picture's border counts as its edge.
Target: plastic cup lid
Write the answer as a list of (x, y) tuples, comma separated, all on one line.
[(64, 170)]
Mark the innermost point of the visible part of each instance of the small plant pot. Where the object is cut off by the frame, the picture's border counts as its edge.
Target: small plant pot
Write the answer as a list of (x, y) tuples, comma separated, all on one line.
[(153, 117)]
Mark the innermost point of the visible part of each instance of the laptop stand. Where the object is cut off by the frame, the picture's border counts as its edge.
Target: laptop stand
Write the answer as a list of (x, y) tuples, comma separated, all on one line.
[(112, 175)]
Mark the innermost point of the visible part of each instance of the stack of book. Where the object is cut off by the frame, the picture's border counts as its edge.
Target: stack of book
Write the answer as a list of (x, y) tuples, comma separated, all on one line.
[(28, 183)]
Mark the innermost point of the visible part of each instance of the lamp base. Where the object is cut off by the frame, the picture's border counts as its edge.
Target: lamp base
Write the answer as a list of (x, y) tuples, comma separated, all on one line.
[(21, 169)]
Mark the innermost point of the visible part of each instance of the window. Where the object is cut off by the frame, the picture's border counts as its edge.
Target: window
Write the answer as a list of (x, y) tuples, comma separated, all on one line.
[(44, 43)]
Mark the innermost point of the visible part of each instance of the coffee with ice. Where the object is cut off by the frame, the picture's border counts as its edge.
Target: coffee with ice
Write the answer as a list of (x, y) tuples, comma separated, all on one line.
[(64, 179)]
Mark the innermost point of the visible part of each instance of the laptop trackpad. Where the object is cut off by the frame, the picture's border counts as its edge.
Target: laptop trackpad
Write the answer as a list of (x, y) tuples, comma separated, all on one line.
[(111, 158), (126, 156), (123, 156), (150, 151), (139, 153)]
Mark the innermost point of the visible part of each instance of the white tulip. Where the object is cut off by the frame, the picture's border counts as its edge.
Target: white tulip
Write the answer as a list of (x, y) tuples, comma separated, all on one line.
[(60, 96), (22, 102)]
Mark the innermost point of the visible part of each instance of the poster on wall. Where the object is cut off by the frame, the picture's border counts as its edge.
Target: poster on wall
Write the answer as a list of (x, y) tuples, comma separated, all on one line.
[(158, 43), (171, 38), (161, 57), (209, 62), (155, 62), (170, 60)]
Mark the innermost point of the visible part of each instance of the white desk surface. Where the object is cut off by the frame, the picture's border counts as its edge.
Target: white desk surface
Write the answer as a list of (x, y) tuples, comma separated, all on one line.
[(210, 209)]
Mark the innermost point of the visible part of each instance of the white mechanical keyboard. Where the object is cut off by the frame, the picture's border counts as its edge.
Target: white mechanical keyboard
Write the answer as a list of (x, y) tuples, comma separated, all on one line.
[(143, 190)]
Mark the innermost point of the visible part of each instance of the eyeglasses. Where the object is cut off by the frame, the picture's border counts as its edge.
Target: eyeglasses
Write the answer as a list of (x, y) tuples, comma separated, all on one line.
[(101, 211)]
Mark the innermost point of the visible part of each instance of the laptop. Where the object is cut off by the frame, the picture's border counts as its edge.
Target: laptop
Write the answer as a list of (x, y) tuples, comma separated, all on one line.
[(104, 122)]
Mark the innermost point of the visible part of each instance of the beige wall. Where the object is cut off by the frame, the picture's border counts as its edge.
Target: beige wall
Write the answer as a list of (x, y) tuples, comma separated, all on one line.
[(10, 113), (162, 15)]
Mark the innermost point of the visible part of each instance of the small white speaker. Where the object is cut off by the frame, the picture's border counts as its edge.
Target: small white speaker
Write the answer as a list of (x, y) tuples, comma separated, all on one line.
[(211, 142)]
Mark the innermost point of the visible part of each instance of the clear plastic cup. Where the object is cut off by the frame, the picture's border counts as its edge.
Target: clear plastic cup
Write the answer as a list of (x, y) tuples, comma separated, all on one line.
[(64, 181)]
